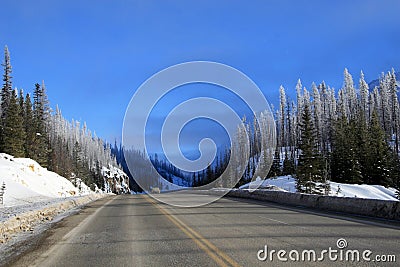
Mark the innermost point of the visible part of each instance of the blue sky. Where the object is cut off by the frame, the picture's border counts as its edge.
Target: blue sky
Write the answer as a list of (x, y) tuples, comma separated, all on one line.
[(93, 55)]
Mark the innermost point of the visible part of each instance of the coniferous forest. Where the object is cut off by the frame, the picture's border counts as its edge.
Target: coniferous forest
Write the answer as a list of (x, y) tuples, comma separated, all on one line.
[(30, 128), (350, 136), (347, 136)]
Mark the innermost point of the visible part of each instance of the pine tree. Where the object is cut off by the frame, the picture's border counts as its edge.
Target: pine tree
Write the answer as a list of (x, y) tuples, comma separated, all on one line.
[(350, 101), (288, 165), (364, 96), (309, 170), (22, 117), (276, 165), (326, 118), (40, 153), (78, 160), (14, 137), (209, 174), (300, 102), (356, 141), (5, 94), (317, 113), (395, 109), (380, 158), (282, 116), (345, 163), (30, 132)]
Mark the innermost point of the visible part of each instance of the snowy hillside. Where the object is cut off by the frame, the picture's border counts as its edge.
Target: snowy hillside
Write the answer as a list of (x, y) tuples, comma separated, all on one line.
[(26, 182), (288, 183)]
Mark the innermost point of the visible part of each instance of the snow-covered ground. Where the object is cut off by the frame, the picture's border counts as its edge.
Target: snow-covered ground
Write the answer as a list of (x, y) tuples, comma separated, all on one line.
[(34, 196), (288, 183), (27, 182)]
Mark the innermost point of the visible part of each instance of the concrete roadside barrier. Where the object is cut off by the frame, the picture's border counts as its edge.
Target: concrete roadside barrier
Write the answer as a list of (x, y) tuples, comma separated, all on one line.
[(385, 209)]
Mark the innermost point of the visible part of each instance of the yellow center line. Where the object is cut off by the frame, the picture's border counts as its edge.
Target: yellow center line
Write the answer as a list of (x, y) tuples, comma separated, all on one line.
[(216, 254)]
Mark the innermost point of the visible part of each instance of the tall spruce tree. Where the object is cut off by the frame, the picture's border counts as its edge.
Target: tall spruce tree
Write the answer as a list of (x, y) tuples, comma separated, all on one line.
[(29, 125), (345, 163), (380, 158), (5, 94), (276, 169), (309, 169), (14, 136), (21, 103), (39, 117)]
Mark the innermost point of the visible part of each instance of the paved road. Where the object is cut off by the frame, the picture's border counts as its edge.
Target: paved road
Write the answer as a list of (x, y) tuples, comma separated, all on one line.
[(135, 230)]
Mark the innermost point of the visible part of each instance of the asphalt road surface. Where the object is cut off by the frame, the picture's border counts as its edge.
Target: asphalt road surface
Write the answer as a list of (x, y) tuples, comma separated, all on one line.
[(135, 230)]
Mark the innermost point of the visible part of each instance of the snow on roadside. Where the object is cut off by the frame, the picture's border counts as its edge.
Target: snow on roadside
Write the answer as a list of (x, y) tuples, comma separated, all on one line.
[(288, 183), (26, 221), (27, 182), (34, 195)]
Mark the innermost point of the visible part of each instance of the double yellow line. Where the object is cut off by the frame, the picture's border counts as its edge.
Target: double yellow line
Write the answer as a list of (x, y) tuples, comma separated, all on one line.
[(217, 255)]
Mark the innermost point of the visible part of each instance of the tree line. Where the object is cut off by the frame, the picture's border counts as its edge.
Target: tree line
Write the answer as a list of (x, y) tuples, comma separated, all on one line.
[(31, 129), (348, 137)]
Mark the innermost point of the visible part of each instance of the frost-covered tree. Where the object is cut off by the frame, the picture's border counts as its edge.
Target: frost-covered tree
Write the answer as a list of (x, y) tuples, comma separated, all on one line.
[(395, 110), (350, 101), (364, 96), (31, 130), (282, 116), (317, 111)]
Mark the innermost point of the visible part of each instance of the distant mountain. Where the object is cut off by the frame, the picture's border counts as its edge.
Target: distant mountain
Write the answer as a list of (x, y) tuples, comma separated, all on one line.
[(375, 82)]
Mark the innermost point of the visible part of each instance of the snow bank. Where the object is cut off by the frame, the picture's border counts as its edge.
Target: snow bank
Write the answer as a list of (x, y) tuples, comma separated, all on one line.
[(34, 195), (25, 221), (288, 183), (27, 182)]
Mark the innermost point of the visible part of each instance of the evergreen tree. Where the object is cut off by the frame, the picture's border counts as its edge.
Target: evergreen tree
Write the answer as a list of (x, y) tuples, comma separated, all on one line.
[(350, 101), (30, 133), (5, 94), (40, 153), (276, 165), (282, 117), (209, 174), (361, 146), (288, 165), (14, 137), (381, 159), (309, 169), (364, 96), (395, 109), (345, 166), (317, 113)]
